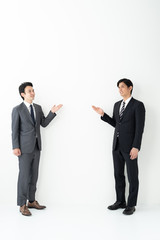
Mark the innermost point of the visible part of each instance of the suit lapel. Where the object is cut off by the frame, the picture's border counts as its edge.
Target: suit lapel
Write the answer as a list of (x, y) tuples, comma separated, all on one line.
[(117, 111), (36, 110), (128, 107)]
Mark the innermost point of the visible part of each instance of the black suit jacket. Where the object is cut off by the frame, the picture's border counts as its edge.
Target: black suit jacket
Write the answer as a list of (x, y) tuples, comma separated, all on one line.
[(130, 127)]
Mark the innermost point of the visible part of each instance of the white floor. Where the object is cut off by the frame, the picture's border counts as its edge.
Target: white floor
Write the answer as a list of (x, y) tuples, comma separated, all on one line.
[(80, 223)]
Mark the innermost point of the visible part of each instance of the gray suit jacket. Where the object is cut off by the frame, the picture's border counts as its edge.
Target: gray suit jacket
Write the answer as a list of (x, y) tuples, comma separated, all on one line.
[(24, 133)]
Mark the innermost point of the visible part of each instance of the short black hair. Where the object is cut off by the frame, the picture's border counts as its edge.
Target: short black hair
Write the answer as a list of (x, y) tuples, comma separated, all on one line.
[(126, 81), (23, 86)]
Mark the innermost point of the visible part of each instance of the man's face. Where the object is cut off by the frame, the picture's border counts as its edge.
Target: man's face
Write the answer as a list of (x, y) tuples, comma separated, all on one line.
[(28, 94), (124, 90)]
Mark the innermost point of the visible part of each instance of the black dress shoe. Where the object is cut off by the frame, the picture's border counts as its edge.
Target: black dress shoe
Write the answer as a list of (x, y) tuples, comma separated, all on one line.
[(117, 205), (129, 210)]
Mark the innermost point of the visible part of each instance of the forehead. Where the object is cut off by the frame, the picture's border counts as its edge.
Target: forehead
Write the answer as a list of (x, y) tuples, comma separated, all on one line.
[(28, 88), (122, 84)]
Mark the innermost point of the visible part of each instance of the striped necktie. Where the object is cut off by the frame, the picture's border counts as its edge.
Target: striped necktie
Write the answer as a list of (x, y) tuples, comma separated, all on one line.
[(122, 110), (32, 114)]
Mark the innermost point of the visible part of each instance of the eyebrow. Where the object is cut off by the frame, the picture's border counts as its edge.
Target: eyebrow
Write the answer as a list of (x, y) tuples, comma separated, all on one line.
[(29, 90)]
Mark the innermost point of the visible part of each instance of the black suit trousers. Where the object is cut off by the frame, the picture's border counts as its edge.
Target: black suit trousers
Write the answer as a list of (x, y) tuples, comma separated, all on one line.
[(121, 158)]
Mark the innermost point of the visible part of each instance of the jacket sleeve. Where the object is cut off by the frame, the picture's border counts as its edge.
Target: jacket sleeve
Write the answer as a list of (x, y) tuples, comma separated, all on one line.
[(139, 125), (15, 128), (44, 121), (108, 119)]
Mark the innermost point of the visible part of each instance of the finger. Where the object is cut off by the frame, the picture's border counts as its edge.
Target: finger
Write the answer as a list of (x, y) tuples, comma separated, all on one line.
[(60, 105), (131, 156), (95, 108)]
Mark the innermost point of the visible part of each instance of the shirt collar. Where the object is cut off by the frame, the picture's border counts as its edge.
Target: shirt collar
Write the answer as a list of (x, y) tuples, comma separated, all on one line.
[(27, 104), (127, 101)]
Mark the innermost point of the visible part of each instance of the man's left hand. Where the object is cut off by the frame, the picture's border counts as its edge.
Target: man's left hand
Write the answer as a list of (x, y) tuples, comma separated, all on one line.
[(56, 108), (134, 153)]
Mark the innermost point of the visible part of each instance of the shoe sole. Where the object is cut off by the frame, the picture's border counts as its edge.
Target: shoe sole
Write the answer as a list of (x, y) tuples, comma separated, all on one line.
[(117, 208), (37, 208), (26, 214), (129, 213)]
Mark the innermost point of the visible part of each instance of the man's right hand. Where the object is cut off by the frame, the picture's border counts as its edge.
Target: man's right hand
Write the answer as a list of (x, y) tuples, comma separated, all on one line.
[(17, 152), (98, 110)]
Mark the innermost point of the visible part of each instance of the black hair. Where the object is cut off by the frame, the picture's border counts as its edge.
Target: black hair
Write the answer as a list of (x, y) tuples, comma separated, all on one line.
[(127, 82), (23, 86)]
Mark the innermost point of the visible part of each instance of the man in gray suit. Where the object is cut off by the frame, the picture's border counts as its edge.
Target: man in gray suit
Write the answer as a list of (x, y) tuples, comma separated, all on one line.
[(26, 140)]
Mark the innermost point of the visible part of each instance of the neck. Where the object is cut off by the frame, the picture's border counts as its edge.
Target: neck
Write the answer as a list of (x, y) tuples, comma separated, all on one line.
[(126, 97), (30, 102)]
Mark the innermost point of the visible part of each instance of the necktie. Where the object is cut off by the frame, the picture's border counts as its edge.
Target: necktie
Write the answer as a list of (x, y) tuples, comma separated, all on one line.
[(122, 110), (32, 114)]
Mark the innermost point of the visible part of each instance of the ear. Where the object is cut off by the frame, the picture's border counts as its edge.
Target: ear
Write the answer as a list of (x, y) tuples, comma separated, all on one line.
[(23, 94)]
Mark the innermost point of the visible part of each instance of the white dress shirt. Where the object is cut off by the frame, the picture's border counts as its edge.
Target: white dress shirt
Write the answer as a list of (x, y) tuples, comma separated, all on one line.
[(29, 109), (126, 103)]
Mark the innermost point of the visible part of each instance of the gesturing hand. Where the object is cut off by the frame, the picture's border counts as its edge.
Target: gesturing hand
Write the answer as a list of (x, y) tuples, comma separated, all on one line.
[(56, 108), (98, 110)]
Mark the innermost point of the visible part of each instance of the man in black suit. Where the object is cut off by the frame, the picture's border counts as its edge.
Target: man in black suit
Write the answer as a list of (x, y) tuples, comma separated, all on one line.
[(128, 120)]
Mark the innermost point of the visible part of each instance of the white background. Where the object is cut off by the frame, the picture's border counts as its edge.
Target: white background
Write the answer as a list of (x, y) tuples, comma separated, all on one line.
[(74, 52)]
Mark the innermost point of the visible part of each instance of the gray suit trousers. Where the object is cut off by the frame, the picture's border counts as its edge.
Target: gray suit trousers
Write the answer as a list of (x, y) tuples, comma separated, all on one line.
[(28, 175)]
